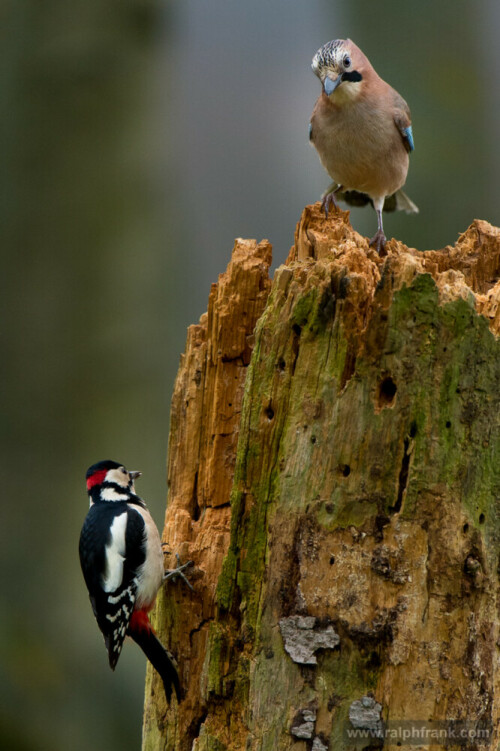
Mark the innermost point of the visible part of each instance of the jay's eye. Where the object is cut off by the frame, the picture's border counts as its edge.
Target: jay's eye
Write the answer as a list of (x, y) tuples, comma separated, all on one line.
[(346, 61)]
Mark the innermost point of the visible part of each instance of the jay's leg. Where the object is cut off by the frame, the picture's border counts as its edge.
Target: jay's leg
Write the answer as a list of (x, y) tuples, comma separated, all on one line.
[(329, 200), (378, 240)]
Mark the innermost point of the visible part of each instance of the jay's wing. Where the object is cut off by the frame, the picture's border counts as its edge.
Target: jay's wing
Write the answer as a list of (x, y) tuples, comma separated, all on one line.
[(402, 121)]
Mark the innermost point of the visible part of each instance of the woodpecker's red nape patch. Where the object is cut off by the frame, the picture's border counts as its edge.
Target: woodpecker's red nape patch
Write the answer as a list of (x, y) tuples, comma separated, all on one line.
[(139, 622), (96, 479)]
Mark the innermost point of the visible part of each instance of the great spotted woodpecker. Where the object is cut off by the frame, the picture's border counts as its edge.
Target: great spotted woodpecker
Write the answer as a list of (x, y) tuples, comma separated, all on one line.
[(122, 562)]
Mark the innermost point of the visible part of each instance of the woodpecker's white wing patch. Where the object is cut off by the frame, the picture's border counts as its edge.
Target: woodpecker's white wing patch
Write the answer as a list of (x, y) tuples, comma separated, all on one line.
[(115, 554)]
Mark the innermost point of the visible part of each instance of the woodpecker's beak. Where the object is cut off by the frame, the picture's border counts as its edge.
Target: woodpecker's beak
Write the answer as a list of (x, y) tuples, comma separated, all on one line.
[(330, 84), (134, 475)]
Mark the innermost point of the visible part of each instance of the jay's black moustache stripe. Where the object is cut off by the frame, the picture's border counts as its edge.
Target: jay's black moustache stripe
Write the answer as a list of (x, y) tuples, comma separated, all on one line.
[(352, 76)]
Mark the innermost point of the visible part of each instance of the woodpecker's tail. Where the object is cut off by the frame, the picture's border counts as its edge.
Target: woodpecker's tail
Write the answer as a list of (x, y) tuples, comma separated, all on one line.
[(142, 633)]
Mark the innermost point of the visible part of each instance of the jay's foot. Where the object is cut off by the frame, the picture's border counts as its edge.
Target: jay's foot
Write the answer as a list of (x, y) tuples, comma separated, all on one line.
[(378, 241), (173, 573), (330, 200)]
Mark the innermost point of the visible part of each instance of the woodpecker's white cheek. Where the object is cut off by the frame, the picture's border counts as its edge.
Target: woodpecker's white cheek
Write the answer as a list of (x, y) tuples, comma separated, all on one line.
[(110, 494), (117, 477), (115, 554)]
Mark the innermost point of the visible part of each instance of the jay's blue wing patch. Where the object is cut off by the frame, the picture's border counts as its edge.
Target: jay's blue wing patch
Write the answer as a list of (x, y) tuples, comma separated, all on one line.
[(403, 124), (407, 134)]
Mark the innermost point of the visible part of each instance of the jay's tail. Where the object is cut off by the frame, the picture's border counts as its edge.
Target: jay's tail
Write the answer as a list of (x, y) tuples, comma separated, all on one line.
[(399, 201), (403, 203), (142, 633)]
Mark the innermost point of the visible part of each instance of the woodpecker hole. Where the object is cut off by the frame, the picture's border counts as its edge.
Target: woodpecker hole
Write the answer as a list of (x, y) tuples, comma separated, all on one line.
[(374, 660), (386, 392), (269, 412), (346, 470), (332, 560), (281, 365), (297, 330), (448, 424), (481, 518), (313, 439), (465, 528)]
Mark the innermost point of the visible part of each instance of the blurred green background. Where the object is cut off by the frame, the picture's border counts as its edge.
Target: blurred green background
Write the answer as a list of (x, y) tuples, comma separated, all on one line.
[(137, 139)]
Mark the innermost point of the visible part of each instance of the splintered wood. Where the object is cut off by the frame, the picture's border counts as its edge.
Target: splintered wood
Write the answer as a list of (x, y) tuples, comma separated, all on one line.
[(334, 475), (204, 425)]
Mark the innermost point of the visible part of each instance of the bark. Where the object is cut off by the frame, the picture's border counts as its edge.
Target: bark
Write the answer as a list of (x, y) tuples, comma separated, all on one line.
[(334, 474)]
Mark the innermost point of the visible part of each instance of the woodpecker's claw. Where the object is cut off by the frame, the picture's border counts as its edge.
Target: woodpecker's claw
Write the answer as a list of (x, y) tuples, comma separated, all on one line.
[(179, 572)]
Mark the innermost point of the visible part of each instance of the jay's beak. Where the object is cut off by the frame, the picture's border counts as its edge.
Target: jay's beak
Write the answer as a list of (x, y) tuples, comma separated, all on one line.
[(330, 84)]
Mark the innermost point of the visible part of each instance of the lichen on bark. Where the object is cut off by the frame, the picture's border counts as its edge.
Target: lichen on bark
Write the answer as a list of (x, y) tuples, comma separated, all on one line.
[(358, 485)]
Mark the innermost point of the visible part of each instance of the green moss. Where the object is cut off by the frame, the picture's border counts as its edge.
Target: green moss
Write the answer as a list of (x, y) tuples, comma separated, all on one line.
[(216, 661), (251, 573), (348, 676), (226, 582), (419, 300), (342, 512), (208, 742), (351, 671), (242, 680), (458, 316), (439, 429), (303, 308), (341, 354)]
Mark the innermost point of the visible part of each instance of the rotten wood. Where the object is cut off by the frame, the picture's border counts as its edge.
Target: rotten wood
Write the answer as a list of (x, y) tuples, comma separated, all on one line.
[(334, 474)]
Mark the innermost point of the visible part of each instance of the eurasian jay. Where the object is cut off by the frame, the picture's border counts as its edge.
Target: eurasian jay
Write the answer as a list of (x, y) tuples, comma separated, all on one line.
[(361, 129)]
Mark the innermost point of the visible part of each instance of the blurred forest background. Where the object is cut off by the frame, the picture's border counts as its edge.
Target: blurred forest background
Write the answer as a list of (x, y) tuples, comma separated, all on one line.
[(137, 139)]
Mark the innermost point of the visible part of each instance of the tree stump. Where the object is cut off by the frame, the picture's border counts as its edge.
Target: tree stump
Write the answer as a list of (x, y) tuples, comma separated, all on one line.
[(334, 474)]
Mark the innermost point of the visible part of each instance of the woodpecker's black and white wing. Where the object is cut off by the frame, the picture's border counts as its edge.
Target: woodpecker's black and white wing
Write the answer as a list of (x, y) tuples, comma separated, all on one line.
[(112, 550)]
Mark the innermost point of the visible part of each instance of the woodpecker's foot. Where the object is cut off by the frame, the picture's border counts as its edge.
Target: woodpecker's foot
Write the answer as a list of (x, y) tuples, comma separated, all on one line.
[(378, 241), (328, 201), (179, 572)]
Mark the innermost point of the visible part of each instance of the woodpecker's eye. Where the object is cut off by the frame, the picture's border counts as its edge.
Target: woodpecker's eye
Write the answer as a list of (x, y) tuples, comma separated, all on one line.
[(346, 61), (122, 469)]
